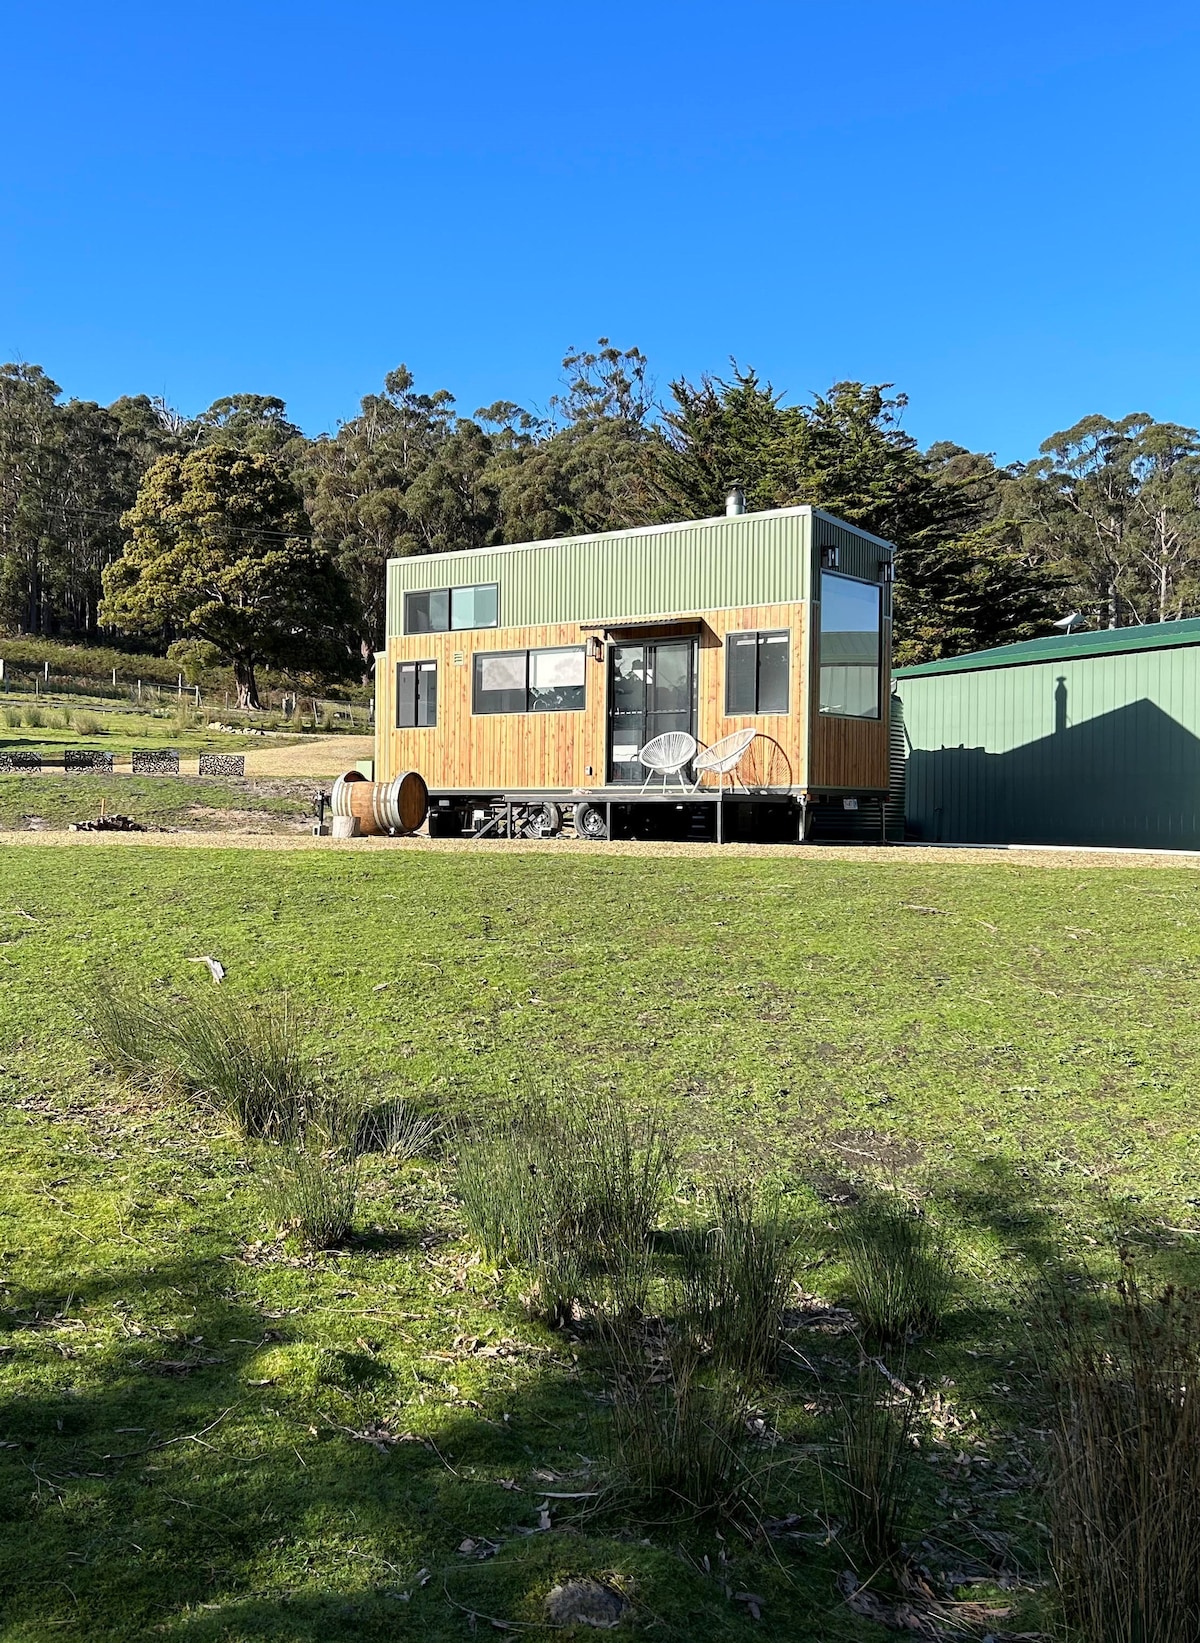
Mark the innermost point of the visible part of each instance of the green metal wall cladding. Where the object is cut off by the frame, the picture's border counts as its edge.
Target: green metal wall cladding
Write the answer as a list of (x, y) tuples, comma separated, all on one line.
[(1097, 749), (663, 570)]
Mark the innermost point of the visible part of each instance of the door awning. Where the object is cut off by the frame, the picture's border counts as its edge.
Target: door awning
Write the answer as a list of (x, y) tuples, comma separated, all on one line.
[(630, 625)]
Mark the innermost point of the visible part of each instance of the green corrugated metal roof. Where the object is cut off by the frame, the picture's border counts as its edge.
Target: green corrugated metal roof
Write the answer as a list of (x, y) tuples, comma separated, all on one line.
[(1065, 647)]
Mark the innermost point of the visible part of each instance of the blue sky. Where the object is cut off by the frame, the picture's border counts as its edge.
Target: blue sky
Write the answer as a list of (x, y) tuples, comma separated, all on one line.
[(992, 206)]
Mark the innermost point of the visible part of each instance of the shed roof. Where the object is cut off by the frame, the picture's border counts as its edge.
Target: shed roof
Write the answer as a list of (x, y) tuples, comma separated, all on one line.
[(1065, 647)]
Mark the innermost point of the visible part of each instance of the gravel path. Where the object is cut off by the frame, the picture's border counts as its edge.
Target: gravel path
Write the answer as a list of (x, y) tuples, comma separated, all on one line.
[(908, 855)]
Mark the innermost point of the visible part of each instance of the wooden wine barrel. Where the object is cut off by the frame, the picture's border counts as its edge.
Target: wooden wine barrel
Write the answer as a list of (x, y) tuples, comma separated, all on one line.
[(339, 801), (398, 806)]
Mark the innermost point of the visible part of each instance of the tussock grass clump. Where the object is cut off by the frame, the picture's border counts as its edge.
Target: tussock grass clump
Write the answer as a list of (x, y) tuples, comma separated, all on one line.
[(737, 1278), (246, 1059), (677, 1440), (562, 1188), (243, 1056), (312, 1192), (126, 1024), (397, 1129), (34, 717), (873, 1474), (899, 1267), (87, 724), (1124, 1496)]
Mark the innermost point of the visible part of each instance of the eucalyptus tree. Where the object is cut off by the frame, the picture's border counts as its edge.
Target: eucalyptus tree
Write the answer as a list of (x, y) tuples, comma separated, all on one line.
[(1165, 463), (593, 464), (357, 484), (31, 467), (252, 422)]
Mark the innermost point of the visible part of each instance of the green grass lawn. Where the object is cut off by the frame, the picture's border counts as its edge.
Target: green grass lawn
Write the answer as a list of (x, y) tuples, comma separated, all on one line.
[(208, 1435)]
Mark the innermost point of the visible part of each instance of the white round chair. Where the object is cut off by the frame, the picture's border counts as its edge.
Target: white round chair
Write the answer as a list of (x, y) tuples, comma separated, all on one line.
[(723, 757), (668, 755)]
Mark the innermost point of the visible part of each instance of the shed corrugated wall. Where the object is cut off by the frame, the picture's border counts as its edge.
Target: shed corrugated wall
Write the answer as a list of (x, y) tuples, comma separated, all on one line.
[(1099, 750), (711, 564)]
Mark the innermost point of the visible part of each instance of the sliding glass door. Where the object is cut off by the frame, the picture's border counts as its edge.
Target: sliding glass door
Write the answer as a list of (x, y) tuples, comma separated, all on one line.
[(651, 689)]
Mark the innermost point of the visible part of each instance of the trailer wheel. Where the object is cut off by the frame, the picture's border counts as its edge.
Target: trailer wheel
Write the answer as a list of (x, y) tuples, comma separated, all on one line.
[(590, 822), (541, 821)]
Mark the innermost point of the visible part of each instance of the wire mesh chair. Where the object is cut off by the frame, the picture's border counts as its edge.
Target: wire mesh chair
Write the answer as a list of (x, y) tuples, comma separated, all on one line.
[(668, 755), (723, 757)]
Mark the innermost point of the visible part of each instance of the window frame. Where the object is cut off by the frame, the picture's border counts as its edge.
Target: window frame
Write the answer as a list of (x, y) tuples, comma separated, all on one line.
[(450, 591), (429, 663), (830, 712), (479, 656), (759, 635)]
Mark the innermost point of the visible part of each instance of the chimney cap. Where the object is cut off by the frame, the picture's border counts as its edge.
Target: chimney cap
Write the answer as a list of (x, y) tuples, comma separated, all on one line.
[(735, 500)]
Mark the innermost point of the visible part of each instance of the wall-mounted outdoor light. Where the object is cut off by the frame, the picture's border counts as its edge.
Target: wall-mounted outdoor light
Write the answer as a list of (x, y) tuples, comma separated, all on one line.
[(829, 558), (595, 648)]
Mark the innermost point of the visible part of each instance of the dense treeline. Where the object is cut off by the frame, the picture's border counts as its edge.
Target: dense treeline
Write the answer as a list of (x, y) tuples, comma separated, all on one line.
[(1105, 520)]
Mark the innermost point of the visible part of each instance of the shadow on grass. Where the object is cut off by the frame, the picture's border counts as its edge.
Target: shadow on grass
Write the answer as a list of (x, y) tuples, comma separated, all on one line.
[(154, 1485), (224, 1478)]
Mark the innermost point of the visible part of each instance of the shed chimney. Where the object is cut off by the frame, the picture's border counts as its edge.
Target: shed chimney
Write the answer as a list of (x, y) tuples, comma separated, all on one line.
[(735, 502)]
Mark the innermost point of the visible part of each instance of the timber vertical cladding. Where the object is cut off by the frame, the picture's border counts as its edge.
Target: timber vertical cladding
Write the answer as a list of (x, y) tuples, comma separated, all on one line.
[(751, 572), (494, 751), (1080, 743)]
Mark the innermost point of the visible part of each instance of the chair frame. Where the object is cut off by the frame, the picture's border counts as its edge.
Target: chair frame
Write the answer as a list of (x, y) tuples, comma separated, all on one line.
[(682, 739), (726, 763)]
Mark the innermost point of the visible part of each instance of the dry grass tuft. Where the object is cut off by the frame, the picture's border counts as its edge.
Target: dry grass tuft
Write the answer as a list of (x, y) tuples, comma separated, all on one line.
[(1124, 1496)]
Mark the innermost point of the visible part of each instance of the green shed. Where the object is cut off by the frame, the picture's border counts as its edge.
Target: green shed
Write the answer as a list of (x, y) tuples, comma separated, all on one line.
[(1085, 738)]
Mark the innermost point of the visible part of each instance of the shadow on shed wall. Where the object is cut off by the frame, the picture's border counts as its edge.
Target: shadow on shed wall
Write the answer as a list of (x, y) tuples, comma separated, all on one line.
[(1129, 777)]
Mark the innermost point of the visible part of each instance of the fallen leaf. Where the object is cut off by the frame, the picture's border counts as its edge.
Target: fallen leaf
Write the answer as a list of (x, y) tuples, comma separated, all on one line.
[(753, 1602)]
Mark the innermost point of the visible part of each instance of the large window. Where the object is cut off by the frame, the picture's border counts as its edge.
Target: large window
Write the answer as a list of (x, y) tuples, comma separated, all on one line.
[(529, 681), (850, 638), (447, 610), (756, 673), (416, 695)]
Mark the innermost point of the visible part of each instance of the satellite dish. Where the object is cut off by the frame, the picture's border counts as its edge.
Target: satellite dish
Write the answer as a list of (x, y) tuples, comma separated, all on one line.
[(1068, 624)]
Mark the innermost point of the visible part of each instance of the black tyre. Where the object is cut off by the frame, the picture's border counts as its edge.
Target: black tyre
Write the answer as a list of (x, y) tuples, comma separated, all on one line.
[(541, 821), (590, 822)]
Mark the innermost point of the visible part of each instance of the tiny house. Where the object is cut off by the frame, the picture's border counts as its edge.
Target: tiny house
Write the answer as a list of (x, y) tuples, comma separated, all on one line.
[(522, 682)]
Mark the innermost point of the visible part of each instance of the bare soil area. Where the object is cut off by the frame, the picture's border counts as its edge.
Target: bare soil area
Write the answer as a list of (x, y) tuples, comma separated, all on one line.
[(321, 757), (897, 855)]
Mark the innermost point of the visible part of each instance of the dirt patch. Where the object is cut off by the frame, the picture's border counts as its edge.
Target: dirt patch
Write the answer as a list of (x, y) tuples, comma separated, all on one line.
[(873, 855), (865, 1148), (245, 822), (319, 757)]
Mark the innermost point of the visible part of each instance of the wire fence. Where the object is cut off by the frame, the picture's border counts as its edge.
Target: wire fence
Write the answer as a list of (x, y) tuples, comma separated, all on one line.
[(151, 696)]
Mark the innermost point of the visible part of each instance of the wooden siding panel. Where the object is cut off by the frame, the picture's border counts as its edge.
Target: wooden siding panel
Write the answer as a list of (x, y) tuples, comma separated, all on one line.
[(493, 752), (850, 754)]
